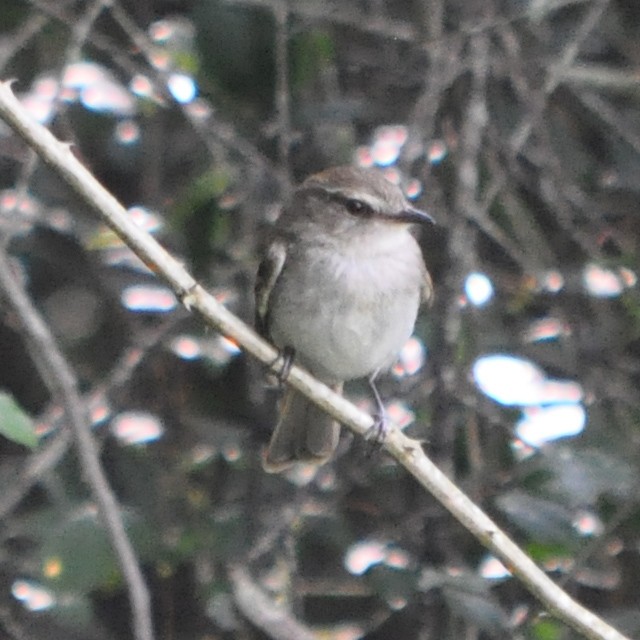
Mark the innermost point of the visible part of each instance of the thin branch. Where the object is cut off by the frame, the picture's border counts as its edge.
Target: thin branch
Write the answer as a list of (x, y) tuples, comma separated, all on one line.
[(444, 67), (282, 93), (602, 77), (623, 127), (82, 28), (36, 467), (20, 38), (560, 194), (406, 451), (556, 74), (62, 383), (80, 34), (217, 136), (463, 239), (47, 457), (336, 13), (10, 627), (273, 620)]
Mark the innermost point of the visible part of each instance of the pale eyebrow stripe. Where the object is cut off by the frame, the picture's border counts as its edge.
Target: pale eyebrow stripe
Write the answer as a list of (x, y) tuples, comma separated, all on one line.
[(339, 196)]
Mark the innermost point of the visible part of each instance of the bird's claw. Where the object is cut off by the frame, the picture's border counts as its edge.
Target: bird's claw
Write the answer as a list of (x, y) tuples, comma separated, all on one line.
[(377, 432), (281, 366)]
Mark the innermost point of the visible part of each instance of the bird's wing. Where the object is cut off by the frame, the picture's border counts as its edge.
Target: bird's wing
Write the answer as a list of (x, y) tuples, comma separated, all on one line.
[(268, 273), (427, 288)]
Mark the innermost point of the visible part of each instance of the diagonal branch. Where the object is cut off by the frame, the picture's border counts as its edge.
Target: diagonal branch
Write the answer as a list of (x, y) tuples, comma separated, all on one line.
[(49, 455), (406, 451), (62, 383)]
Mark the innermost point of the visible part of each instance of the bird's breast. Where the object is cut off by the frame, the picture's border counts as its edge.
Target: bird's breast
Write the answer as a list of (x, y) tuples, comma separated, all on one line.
[(347, 313)]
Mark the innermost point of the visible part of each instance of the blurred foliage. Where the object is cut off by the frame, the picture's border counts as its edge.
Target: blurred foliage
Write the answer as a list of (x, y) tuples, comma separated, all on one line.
[(517, 119), (15, 424)]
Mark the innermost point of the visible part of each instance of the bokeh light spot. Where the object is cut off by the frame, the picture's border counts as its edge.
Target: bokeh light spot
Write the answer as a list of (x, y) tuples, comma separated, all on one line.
[(508, 380), (33, 596), (411, 358), (492, 569), (40, 101), (587, 524), (363, 555), (478, 289), (127, 132), (52, 567), (600, 282), (142, 86), (540, 425), (511, 381), (136, 427), (552, 281), (182, 87), (546, 329), (148, 299), (186, 347), (437, 151), (413, 189), (145, 218)]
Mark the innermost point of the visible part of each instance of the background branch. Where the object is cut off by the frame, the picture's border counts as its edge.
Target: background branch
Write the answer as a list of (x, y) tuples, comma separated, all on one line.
[(61, 381)]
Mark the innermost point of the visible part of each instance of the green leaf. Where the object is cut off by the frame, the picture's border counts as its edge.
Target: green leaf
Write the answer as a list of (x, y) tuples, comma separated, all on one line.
[(15, 424), (76, 554), (547, 629)]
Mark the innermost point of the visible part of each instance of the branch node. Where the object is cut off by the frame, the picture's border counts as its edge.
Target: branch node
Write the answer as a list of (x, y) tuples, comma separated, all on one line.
[(189, 297)]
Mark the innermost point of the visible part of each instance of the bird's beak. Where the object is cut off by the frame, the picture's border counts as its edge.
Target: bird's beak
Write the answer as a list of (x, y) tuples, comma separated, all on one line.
[(411, 214)]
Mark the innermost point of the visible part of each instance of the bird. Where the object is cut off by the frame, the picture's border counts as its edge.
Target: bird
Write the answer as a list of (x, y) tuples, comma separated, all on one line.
[(338, 288)]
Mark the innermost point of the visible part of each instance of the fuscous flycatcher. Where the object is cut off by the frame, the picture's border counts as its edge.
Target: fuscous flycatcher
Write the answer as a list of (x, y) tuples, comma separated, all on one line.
[(340, 286)]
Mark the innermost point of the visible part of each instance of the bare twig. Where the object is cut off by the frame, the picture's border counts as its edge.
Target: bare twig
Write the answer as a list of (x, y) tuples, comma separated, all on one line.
[(263, 612), (561, 194), (405, 450), (62, 383), (623, 127), (20, 38), (83, 26), (467, 204), (80, 33), (444, 66), (336, 13), (597, 76), (35, 468), (46, 458), (556, 74), (281, 14), (218, 137)]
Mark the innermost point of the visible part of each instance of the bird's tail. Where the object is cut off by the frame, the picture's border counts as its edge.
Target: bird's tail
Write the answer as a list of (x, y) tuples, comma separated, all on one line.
[(304, 433)]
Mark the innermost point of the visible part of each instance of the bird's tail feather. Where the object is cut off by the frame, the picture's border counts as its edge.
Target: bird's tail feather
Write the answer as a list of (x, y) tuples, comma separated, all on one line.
[(304, 433)]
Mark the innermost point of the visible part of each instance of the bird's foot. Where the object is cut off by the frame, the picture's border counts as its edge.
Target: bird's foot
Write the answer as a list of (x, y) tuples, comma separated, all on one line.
[(377, 432), (281, 366)]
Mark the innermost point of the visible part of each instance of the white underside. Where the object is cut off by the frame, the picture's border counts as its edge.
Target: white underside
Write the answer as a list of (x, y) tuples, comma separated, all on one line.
[(348, 313)]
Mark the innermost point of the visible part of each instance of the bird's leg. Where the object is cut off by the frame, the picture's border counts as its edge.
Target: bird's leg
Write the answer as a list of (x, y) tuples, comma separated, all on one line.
[(287, 355), (378, 430)]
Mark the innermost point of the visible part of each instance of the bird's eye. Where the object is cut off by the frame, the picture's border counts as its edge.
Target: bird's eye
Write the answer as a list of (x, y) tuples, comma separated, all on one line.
[(358, 208)]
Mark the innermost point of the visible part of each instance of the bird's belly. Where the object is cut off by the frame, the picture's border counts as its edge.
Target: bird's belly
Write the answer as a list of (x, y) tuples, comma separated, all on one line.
[(345, 327)]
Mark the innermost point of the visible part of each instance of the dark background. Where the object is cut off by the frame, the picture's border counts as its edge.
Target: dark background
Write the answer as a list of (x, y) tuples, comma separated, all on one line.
[(534, 105)]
